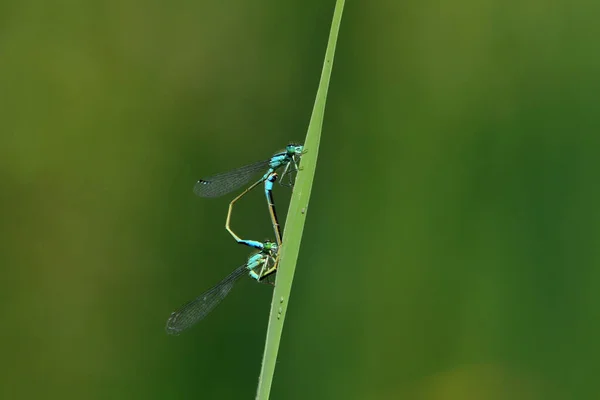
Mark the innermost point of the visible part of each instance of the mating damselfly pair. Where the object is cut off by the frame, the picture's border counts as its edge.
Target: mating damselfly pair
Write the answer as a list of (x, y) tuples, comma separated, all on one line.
[(264, 261)]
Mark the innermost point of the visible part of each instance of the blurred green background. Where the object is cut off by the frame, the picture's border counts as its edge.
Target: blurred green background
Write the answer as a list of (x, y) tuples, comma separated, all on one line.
[(451, 245)]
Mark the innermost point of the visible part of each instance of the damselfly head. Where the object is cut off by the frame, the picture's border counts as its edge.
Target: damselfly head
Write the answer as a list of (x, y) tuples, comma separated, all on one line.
[(294, 149), (270, 247)]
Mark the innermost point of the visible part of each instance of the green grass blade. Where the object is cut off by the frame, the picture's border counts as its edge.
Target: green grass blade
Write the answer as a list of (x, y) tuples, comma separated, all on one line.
[(294, 224)]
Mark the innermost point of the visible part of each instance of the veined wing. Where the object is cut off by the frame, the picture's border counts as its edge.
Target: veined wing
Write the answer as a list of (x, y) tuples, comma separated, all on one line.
[(195, 310), (223, 183)]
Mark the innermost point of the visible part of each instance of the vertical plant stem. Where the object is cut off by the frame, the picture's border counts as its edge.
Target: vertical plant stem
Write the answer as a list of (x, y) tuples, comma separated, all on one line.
[(298, 210)]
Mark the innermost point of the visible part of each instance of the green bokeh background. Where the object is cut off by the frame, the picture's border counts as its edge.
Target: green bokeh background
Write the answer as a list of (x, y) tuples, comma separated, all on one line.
[(451, 249)]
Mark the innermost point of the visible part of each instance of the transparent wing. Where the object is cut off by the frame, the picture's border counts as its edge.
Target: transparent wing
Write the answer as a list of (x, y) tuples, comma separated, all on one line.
[(223, 183), (195, 310)]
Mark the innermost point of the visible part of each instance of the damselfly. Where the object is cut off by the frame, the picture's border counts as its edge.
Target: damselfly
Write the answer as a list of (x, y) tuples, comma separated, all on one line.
[(259, 266), (223, 183)]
